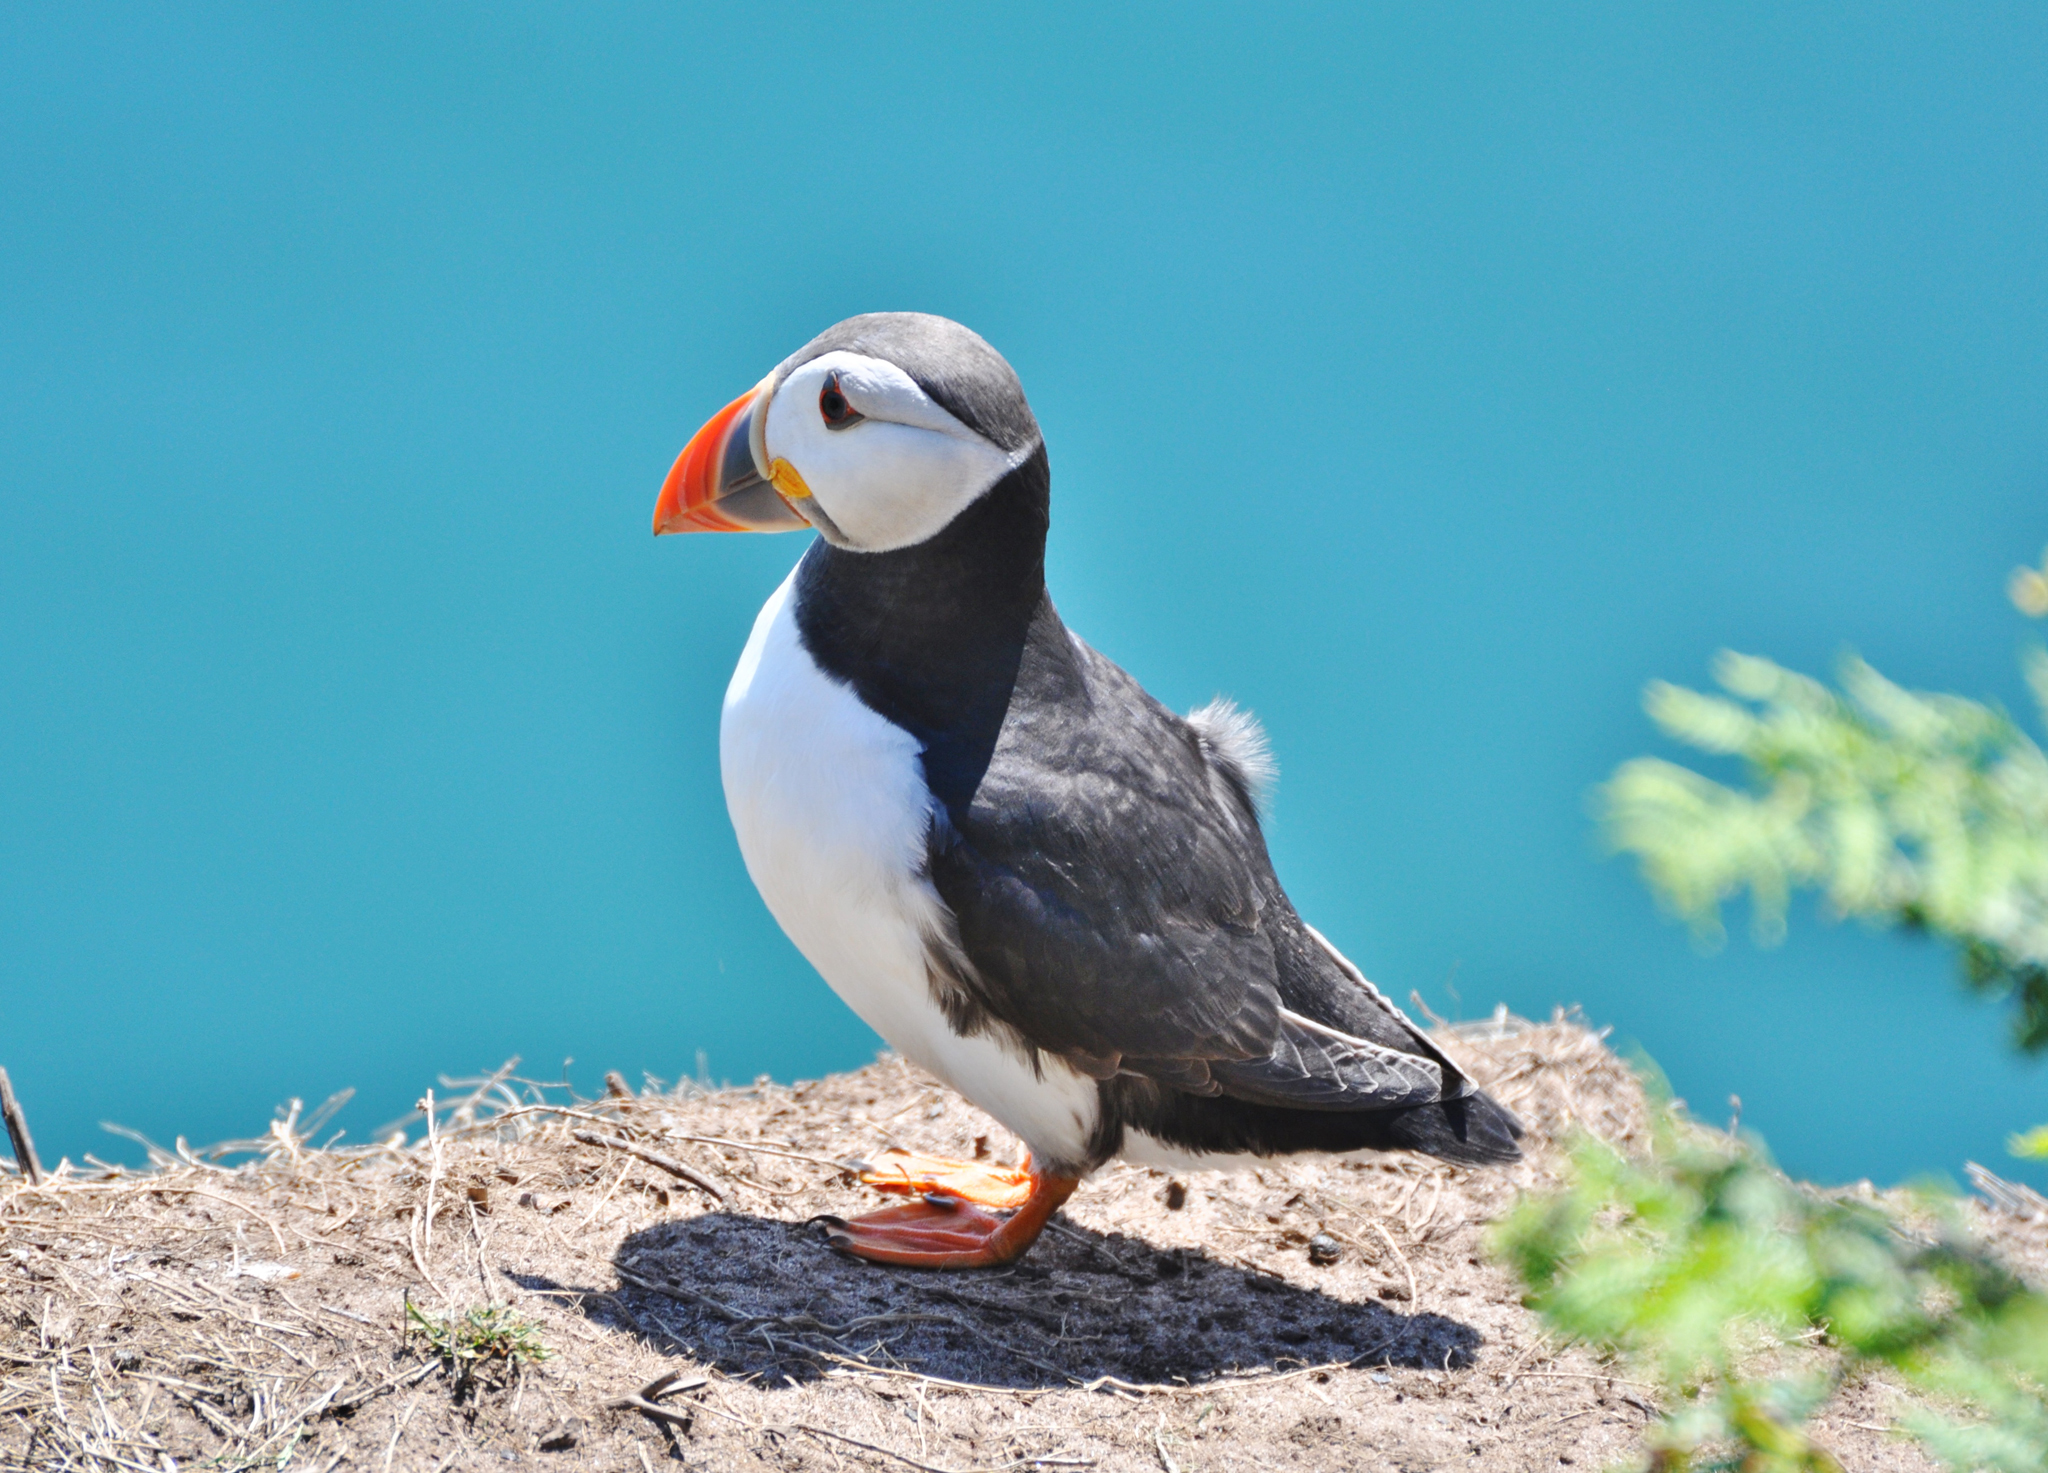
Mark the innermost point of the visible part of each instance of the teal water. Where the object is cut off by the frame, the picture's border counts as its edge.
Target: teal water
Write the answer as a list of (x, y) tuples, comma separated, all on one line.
[(1426, 383)]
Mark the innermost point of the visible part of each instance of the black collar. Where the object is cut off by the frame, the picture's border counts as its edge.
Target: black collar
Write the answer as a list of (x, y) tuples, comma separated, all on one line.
[(931, 636)]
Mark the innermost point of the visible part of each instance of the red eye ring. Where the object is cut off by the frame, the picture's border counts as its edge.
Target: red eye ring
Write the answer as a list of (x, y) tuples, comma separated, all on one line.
[(833, 406)]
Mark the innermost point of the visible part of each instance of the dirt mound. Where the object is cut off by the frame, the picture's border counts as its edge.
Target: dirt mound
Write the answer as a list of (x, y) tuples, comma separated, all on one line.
[(381, 1306)]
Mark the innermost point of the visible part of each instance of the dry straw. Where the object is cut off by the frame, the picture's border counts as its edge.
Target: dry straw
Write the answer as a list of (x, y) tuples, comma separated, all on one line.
[(618, 1281)]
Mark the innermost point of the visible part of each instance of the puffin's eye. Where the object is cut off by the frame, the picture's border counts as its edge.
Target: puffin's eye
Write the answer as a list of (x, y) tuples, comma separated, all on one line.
[(832, 406)]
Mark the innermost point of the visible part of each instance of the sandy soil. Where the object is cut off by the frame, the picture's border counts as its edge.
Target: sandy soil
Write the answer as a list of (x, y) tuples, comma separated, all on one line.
[(257, 1315)]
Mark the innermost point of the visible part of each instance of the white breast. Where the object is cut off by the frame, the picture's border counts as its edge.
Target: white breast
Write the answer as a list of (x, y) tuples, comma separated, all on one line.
[(829, 801)]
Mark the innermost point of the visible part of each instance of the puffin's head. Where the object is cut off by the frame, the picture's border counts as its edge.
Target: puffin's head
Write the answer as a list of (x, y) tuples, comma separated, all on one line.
[(878, 432)]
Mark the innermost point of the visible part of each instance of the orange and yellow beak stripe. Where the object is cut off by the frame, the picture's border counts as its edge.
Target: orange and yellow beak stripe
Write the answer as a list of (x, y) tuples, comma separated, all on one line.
[(716, 485)]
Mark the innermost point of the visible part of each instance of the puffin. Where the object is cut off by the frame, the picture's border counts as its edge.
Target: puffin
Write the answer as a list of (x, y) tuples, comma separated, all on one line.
[(1027, 875)]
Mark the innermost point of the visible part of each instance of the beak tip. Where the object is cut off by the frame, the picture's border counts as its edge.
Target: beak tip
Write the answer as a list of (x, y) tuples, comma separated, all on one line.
[(716, 485), (668, 508)]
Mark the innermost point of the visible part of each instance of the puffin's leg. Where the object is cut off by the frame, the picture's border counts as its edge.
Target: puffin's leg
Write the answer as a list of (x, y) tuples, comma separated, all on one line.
[(940, 1232), (980, 1182)]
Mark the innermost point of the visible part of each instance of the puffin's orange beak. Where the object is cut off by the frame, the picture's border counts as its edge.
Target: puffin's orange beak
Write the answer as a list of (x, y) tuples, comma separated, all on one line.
[(717, 483)]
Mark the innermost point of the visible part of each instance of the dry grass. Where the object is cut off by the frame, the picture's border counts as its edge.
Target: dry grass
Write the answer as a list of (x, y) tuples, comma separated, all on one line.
[(530, 1281)]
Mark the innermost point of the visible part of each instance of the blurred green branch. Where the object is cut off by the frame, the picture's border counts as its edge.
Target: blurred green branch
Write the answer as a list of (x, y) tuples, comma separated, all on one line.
[(1929, 811), (1750, 1300)]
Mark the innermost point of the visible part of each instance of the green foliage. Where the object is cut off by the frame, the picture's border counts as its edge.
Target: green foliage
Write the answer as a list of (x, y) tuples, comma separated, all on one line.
[(1928, 811), (490, 1332), (1749, 1299), (1746, 1297), (2028, 589)]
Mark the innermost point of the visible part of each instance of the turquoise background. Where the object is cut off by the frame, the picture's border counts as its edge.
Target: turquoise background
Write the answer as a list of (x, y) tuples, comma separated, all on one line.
[(1426, 379)]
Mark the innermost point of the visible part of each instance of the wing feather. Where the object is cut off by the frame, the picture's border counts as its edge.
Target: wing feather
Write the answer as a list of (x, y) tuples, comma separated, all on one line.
[(1111, 896)]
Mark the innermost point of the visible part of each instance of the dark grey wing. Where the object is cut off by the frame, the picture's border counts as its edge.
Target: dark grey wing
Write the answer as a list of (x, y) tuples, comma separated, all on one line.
[(1315, 1067), (1114, 904), (1100, 906)]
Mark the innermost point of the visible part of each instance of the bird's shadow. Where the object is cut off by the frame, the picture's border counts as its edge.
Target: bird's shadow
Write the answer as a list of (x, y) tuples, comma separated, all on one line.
[(753, 1295)]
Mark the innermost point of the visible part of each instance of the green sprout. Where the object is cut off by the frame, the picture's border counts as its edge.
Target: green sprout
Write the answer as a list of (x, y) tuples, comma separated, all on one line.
[(490, 1332)]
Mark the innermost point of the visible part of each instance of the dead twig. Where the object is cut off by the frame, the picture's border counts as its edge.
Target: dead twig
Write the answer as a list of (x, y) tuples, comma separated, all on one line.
[(855, 1369), (718, 1140), (426, 1105), (1420, 1232), (275, 1231), (647, 1408), (17, 1133), (412, 1246), (1159, 1442), (402, 1379), (1590, 1376), (399, 1425), (653, 1158), (908, 1461), (1414, 1294), (209, 1414), (572, 1113), (1234, 1383), (674, 1383)]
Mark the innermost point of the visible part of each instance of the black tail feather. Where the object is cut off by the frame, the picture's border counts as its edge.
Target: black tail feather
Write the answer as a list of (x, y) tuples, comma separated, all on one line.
[(1473, 1131)]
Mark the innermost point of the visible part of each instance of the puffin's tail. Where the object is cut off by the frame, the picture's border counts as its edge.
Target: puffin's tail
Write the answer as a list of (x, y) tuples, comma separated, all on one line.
[(1473, 1131)]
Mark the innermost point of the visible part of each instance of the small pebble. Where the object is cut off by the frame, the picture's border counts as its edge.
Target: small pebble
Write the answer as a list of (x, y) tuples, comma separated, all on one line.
[(1323, 1250)]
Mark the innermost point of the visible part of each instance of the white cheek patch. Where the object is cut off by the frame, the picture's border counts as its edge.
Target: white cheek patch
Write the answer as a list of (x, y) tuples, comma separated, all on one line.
[(898, 476)]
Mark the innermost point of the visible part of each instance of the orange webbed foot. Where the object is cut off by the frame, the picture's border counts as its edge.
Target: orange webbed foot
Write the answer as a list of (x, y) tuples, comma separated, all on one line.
[(981, 1182), (946, 1232)]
